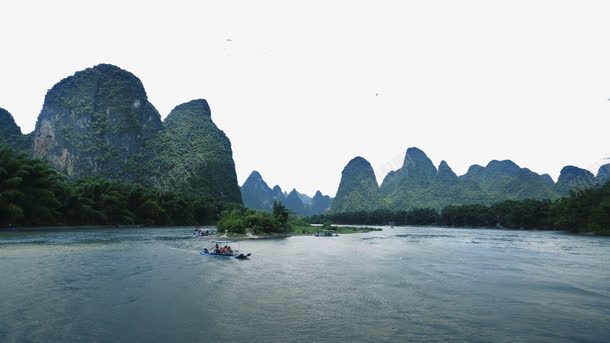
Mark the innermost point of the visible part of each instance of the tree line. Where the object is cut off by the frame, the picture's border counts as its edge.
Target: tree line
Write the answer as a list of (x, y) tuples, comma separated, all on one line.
[(237, 220), (582, 211), (33, 194)]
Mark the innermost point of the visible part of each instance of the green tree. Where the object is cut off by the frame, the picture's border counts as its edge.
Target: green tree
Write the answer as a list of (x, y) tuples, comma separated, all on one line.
[(280, 213)]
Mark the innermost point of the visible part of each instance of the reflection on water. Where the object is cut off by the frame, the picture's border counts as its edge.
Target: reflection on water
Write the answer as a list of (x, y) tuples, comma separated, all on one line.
[(401, 284)]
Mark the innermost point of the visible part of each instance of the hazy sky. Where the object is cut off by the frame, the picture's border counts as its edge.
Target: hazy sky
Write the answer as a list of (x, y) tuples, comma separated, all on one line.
[(302, 87)]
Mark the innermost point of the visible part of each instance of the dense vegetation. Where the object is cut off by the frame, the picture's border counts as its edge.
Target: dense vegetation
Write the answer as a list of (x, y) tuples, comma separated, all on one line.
[(32, 193), (238, 220), (280, 220), (99, 123), (583, 211), (10, 133), (418, 183), (192, 155), (358, 189)]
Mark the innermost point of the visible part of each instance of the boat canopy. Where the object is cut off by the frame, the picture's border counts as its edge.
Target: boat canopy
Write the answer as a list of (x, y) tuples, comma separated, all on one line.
[(223, 242)]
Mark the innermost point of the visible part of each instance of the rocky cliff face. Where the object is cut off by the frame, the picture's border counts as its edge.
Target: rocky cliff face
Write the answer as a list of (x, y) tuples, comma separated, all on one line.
[(192, 155), (573, 179), (10, 134), (358, 189), (97, 123), (603, 175)]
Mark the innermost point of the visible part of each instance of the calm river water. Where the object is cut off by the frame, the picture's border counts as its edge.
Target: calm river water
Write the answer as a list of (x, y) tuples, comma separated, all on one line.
[(401, 284)]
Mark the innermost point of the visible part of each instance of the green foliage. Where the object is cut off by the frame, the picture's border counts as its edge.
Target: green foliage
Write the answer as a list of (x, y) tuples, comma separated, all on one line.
[(97, 123), (192, 155), (467, 215), (419, 184), (280, 213), (587, 210), (238, 220), (358, 189), (584, 211), (10, 134), (32, 193)]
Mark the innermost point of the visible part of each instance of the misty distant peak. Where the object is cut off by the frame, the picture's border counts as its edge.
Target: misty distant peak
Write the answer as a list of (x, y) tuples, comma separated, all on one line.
[(418, 165), (603, 174), (475, 168), (444, 166), (414, 154), (415, 151), (358, 161), (254, 176), (549, 180), (573, 178), (571, 170), (504, 166), (445, 172)]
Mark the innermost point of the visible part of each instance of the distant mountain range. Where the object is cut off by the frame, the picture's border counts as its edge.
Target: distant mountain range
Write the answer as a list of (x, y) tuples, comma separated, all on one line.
[(418, 183), (256, 194), (99, 123)]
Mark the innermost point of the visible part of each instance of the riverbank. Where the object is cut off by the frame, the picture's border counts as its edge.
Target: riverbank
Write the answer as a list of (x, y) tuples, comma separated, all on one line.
[(71, 228), (295, 230), (312, 229)]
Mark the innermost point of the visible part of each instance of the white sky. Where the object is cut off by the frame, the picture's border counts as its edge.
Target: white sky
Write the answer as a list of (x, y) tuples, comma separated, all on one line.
[(294, 84)]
